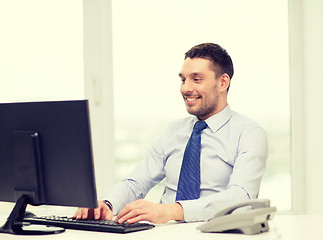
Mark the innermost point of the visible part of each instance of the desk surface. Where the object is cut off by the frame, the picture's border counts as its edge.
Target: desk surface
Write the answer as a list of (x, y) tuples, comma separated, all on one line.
[(290, 227)]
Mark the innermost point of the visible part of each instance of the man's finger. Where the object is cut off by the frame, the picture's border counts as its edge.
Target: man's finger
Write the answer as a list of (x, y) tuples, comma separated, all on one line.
[(132, 213), (97, 213), (106, 214), (138, 218), (81, 213)]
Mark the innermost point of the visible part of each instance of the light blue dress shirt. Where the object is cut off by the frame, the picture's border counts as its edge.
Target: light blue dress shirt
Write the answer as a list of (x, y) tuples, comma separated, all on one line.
[(233, 161)]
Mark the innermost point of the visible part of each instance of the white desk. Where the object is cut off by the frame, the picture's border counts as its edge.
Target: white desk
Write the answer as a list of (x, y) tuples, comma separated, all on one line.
[(290, 227)]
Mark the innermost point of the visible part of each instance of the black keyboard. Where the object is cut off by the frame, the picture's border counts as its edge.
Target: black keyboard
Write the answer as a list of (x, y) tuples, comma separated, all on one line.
[(87, 224)]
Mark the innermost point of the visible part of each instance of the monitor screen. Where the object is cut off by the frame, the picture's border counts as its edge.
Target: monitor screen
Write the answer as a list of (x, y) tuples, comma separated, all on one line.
[(46, 153)]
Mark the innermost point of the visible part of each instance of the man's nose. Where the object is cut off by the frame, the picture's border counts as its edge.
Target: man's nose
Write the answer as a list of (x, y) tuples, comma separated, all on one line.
[(187, 86)]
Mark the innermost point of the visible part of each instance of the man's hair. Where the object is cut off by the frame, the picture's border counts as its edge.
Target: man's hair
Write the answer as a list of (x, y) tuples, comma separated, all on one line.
[(220, 58)]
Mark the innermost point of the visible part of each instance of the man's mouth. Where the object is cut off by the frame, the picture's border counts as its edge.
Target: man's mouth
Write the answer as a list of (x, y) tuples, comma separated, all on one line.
[(190, 99)]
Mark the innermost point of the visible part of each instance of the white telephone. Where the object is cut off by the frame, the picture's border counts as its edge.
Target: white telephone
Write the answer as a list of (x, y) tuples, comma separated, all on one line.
[(251, 221)]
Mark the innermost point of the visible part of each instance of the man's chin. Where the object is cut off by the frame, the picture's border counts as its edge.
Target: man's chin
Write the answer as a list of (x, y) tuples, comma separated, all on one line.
[(200, 115), (192, 111)]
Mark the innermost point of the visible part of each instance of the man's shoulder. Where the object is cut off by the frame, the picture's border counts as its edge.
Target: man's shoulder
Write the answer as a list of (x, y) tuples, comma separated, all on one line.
[(242, 121), (241, 117)]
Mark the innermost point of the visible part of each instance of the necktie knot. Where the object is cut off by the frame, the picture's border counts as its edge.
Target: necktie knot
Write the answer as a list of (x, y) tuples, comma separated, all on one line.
[(200, 126)]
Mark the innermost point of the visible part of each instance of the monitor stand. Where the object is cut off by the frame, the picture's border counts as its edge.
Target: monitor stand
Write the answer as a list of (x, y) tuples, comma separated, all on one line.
[(14, 223), (29, 185)]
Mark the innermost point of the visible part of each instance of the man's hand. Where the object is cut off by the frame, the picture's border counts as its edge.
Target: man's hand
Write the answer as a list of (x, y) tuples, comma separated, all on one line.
[(101, 212), (142, 210)]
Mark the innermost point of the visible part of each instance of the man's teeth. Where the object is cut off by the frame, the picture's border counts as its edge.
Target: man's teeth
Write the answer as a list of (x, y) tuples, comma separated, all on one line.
[(190, 99)]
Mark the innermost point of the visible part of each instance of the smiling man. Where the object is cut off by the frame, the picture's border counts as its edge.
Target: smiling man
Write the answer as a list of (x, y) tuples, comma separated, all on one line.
[(210, 160), (204, 90)]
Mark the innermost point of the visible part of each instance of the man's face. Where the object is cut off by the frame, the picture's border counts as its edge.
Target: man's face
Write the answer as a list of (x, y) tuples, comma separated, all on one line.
[(199, 87)]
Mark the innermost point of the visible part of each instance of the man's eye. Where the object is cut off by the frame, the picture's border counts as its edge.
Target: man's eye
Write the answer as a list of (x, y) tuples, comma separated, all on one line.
[(197, 79)]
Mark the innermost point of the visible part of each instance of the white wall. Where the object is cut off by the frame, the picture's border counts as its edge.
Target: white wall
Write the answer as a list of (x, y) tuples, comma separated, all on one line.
[(306, 43), (313, 86)]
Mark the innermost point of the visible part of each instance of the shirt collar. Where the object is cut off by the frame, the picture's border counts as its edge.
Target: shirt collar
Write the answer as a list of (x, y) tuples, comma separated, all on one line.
[(216, 121)]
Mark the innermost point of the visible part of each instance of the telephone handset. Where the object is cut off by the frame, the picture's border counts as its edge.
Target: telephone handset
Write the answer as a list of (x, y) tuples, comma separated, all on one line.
[(249, 221)]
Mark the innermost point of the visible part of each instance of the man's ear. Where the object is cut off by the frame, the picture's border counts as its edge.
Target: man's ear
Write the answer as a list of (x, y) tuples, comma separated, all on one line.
[(224, 82)]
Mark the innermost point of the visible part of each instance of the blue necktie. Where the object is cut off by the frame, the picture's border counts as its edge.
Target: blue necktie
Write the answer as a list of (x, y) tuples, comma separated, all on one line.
[(189, 180)]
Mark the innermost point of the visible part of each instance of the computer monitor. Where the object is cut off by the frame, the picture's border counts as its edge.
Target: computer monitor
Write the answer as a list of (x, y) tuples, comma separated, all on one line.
[(45, 156)]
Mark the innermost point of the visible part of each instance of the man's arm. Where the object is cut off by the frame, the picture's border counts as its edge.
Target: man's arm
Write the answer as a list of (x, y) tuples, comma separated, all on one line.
[(146, 175)]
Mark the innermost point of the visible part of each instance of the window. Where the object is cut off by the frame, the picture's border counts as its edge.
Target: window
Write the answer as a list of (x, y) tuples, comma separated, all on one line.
[(41, 53), (42, 59), (149, 42)]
